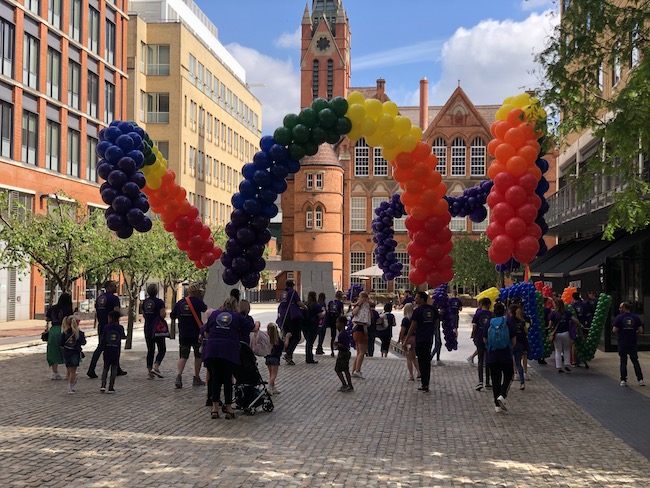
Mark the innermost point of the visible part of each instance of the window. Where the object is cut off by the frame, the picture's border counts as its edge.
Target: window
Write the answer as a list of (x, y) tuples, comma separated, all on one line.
[(201, 120), (477, 157), (215, 172), (54, 13), (310, 181), (314, 80), (158, 108), (6, 129), (91, 159), (318, 218), (402, 282), (143, 57), (319, 181), (208, 125), (601, 77), (399, 225), (163, 147), (358, 213), (215, 89), (33, 5), (458, 151), (7, 40), (30, 138), (53, 73), (109, 102), (192, 69), (439, 149), (74, 150), (222, 175), (192, 115), (74, 84), (379, 163), (378, 284), (199, 77), (330, 78), (157, 60), (93, 30), (75, 20), (229, 178), (207, 88), (616, 66), (52, 145), (92, 100), (482, 226), (357, 263), (192, 156), (309, 219), (458, 224), (361, 158), (30, 61), (199, 164), (109, 49), (208, 169)]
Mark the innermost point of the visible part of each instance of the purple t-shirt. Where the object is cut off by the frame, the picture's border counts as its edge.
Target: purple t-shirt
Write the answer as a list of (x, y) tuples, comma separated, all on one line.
[(243, 335), (224, 328), (426, 317), (151, 308), (482, 320), (562, 323), (627, 324), (343, 340), (113, 335), (408, 300), (455, 305), (187, 326), (289, 304), (500, 356), (276, 349), (105, 303)]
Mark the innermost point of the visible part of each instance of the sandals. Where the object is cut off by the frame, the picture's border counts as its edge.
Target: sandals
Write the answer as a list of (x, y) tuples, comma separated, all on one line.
[(230, 415), (214, 415)]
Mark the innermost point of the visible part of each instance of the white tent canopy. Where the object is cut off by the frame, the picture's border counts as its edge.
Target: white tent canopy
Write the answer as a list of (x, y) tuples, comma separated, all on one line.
[(371, 272)]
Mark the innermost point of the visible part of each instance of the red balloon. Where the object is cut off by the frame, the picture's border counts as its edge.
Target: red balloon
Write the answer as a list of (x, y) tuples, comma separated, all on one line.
[(504, 180), (435, 252), (182, 222), (446, 262), (447, 246), (447, 275), (526, 249), (409, 198), (424, 264), (422, 237), (515, 196), (199, 264), (528, 182), (181, 234), (502, 212), (534, 200), (195, 242), (443, 235), (416, 250), (192, 213), (205, 232), (193, 253), (404, 160), (195, 226), (217, 252), (207, 245), (528, 213), (495, 197), (503, 244), (515, 227), (534, 230), (169, 226), (182, 245), (208, 259), (494, 229), (413, 225), (417, 277), (497, 256), (422, 151), (434, 279)]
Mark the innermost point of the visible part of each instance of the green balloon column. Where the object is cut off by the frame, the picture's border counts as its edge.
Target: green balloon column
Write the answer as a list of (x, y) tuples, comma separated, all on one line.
[(587, 347)]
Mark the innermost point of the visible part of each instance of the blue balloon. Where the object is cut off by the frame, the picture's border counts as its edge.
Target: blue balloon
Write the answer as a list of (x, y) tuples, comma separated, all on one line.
[(125, 127), (279, 185), (262, 178), (258, 264), (125, 143), (139, 131), (112, 133), (256, 249), (131, 190), (270, 211), (115, 222), (293, 166), (247, 188), (137, 141), (542, 164), (246, 236), (139, 179), (102, 134), (266, 143), (479, 214), (226, 259), (127, 165), (234, 248), (263, 238), (142, 204), (250, 279), (102, 147), (240, 265), (113, 154), (145, 225), (248, 170), (259, 223), (230, 230), (117, 178), (115, 123), (261, 160), (238, 200), (239, 218), (279, 171), (104, 169), (137, 156), (267, 197), (252, 206), (278, 153)]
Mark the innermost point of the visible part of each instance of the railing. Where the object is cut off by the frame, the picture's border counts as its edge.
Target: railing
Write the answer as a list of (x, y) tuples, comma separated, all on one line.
[(157, 117), (158, 69)]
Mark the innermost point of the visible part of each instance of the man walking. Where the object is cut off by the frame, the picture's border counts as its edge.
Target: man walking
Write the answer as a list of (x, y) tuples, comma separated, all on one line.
[(628, 326), (424, 322), (105, 304), (188, 312)]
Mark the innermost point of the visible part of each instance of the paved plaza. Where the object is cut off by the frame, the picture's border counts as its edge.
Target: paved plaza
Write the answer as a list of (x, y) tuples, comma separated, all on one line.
[(385, 433)]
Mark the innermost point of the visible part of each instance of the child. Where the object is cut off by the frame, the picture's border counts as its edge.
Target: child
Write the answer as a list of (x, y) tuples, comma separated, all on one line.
[(343, 360), (385, 329), (113, 335), (71, 341), (273, 359)]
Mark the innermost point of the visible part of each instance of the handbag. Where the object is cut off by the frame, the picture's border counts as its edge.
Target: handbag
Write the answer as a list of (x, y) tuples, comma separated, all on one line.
[(551, 336), (45, 335), (161, 329)]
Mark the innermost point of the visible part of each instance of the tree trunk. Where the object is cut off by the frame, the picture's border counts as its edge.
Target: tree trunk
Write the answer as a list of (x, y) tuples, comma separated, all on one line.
[(172, 327), (129, 326)]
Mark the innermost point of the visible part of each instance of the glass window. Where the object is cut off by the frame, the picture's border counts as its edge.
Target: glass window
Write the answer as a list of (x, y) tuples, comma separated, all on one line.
[(74, 150), (52, 145), (458, 151), (616, 66), (310, 181), (75, 20), (402, 282), (379, 163), (92, 101), (33, 6), (309, 219), (109, 102), (192, 115), (361, 158), (192, 69), (314, 79), (319, 181), (74, 84), (91, 159), (215, 89), (30, 138), (635, 52), (54, 13), (7, 40), (163, 147), (158, 108), (30, 61), (477, 157), (199, 76), (458, 224), (399, 225), (358, 213), (93, 30), (109, 49), (6, 129), (378, 284), (157, 60), (439, 149), (318, 218), (330, 79), (357, 263), (207, 88), (53, 73)]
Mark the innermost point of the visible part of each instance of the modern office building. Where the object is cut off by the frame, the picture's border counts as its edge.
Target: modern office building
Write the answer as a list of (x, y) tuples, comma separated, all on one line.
[(62, 79)]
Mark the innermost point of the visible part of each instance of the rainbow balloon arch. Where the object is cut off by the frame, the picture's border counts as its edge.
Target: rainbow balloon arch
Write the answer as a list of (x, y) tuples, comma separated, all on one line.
[(137, 178)]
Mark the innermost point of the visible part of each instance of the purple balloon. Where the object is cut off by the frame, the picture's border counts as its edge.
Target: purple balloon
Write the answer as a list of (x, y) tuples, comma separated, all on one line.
[(108, 195), (247, 188), (267, 197), (241, 265), (263, 237), (252, 206), (131, 190), (226, 260), (121, 204), (139, 179), (478, 215), (115, 222), (238, 200), (117, 178), (270, 211), (250, 280), (259, 223), (229, 277), (125, 232), (142, 204), (134, 217), (231, 230), (239, 218), (145, 225), (246, 236), (254, 251), (234, 248), (258, 264)]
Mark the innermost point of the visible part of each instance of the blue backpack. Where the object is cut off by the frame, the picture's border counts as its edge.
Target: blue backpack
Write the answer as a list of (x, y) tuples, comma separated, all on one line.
[(498, 335)]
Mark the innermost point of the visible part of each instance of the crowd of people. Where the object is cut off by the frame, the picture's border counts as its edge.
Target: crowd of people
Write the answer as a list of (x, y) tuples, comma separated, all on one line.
[(499, 333)]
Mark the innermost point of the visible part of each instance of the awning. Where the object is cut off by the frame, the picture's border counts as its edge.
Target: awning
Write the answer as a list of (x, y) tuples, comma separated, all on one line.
[(615, 248), (372, 271)]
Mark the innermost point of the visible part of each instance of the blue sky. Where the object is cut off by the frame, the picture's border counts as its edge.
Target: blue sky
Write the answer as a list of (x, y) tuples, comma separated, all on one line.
[(486, 44)]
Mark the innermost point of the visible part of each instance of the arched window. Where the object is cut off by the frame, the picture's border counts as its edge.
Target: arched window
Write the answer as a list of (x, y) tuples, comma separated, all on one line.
[(458, 153), (477, 157), (361, 158), (357, 263), (309, 218), (330, 78), (402, 283), (318, 218), (314, 81), (439, 148)]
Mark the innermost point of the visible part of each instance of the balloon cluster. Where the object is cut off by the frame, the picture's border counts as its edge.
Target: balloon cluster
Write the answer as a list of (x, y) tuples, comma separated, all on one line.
[(322, 122), (512, 200), (587, 348), (546, 344), (491, 293), (254, 207), (381, 125), (547, 291), (353, 292), (441, 301), (567, 294), (382, 226), (120, 149), (540, 191), (526, 291), (471, 203)]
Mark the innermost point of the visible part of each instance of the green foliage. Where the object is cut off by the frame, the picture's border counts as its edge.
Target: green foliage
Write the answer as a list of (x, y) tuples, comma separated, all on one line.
[(597, 35), (472, 266)]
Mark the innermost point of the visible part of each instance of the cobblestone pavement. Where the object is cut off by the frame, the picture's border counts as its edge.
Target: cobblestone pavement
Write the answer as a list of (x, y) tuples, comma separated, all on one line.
[(385, 433)]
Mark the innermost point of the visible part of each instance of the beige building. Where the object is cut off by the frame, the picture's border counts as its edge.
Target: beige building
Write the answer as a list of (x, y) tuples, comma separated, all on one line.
[(191, 96)]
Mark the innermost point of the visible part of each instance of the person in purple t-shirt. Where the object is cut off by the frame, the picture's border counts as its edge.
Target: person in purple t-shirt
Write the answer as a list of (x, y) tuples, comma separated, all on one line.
[(342, 367), (628, 326), (480, 324), (334, 311), (407, 299), (113, 335), (500, 359), (189, 329), (559, 322), (224, 328), (105, 303), (290, 318), (154, 312), (424, 323)]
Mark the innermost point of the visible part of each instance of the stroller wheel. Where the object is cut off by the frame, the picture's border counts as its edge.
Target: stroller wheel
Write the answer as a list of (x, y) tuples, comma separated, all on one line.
[(267, 407), (250, 411)]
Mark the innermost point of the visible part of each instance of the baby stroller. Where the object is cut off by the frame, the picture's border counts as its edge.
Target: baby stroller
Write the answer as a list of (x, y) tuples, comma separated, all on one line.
[(250, 388)]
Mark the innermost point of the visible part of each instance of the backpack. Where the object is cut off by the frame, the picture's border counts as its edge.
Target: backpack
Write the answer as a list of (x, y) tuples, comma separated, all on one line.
[(70, 342), (260, 343), (384, 322), (498, 335)]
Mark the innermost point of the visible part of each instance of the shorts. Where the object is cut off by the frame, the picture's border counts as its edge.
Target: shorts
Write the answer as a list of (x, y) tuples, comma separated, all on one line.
[(343, 361), (272, 361), (72, 359), (184, 348), (360, 337)]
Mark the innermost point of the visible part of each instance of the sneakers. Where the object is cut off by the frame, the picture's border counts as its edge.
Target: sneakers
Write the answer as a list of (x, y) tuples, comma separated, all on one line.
[(488, 386), (92, 375), (289, 360), (357, 374), (150, 375), (111, 391), (470, 360), (424, 389), (479, 387), (157, 372), (102, 389), (497, 409), (623, 383), (502, 403), (320, 352), (641, 383), (567, 369), (522, 386), (179, 381), (71, 391), (197, 381), (344, 388), (274, 391), (56, 376), (121, 372)]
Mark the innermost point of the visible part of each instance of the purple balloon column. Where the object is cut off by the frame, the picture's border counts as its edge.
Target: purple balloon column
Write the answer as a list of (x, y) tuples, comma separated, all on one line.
[(440, 300), (471, 203), (382, 226)]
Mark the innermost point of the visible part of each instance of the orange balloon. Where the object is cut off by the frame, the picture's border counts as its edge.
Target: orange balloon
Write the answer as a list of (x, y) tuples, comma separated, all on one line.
[(500, 129), (432, 161), (528, 153), (404, 160), (494, 169), (492, 145), (534, 144), (515, 116), (419, 212), (441, 190), (528, 130), (504, 152), (516, 166), (409, 198), (421, 151), (429, 197), (414, 186), (536, 172), (433, 179), (169, 177), (440, 208), (420, 170), (515, 137)]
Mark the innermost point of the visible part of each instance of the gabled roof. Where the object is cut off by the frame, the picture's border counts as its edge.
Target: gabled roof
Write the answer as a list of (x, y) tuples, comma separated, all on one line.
[(322, 30), (456, 96)]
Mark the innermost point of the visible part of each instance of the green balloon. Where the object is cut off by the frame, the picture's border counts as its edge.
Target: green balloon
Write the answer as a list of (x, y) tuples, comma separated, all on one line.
[(308, 117), (296, 151), (301, 133), (310, 149), (290, 121), (318, 135), (283, 136), (327, 118), (333, 136), (319, 104), (150, 159), (340, 106), (343, 125)]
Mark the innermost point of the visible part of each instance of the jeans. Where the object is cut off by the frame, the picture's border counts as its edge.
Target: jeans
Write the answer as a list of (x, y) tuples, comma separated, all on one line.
[(482, 365), (501, 379), (438, 344), (293, 326), (623, 353), (310, 331), (422, 351), (221, 372), (152, 342), (322, 332), (518, 352), (372, 334)]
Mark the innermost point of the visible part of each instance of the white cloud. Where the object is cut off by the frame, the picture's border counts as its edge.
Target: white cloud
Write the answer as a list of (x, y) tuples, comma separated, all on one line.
[(280, 94), (494, 59), (415, 53), (289, 40), (529, 5)]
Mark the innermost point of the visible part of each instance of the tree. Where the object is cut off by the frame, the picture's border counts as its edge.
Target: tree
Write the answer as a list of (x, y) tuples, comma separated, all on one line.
[(593, 36), (472, 266)]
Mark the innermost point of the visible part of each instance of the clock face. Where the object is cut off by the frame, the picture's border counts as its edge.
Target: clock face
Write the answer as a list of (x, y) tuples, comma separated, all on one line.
[(323, 44)]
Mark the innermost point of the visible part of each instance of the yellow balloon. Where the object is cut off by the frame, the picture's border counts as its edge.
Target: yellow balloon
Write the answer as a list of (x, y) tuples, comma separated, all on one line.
[(368, 126), (373, 107), (355, 97), (356, 113), (502, 113), (385, 122), (375, 140), (145, 170), (390, 140), (416, 132), (154, 183), (491, 293), (390, 108), (402, 125), (355, 134), (507, 101), (389, 154), (520, 100), (407, 143)]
